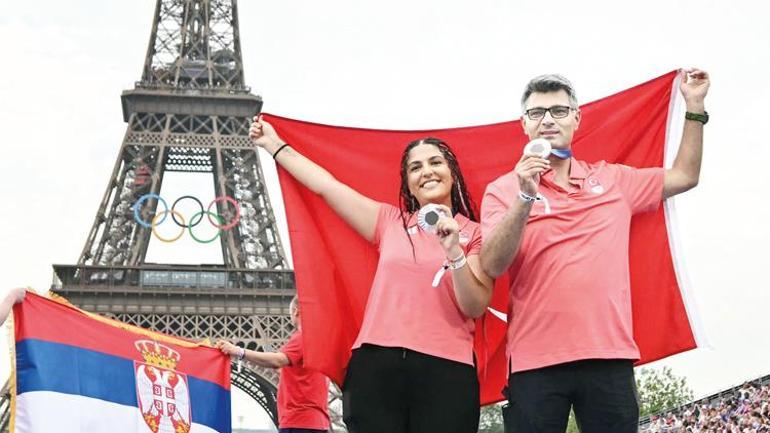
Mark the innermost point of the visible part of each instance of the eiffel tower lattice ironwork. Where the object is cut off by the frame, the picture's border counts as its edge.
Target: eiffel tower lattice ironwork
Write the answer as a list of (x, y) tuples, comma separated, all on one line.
[(190, 112)]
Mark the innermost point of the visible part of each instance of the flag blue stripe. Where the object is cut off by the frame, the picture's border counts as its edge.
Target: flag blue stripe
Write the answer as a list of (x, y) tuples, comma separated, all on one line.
[(46, 366)]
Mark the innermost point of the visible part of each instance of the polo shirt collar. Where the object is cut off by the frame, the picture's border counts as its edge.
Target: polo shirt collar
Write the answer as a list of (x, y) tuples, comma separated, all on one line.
[(576, 169), (462, 220)]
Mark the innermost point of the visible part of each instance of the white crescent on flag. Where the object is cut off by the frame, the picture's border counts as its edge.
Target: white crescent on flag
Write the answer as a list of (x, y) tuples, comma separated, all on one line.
[(500, 315)]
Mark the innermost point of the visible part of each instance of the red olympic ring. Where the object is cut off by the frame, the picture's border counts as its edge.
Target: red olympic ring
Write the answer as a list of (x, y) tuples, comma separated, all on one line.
[(235, 220)]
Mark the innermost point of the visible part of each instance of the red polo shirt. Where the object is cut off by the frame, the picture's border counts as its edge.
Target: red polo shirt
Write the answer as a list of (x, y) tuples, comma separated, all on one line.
[(302, 393), (570, 295)]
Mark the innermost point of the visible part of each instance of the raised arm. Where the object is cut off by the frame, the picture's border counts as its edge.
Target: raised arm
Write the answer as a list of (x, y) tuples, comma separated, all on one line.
[(263, 359), (502, 244), (685, 172), (359, 211)]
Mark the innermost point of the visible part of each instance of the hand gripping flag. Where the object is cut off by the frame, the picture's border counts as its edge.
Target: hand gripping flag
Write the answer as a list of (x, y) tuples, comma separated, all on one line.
[(334, 267), (79, 372)]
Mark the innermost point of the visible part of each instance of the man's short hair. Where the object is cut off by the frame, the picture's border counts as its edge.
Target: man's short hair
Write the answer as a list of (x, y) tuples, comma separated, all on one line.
[(549, 83), (294, 305)]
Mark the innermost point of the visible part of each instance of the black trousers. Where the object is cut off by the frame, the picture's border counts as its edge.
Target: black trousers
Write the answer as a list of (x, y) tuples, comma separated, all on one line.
[(601, 392), (396, 390)]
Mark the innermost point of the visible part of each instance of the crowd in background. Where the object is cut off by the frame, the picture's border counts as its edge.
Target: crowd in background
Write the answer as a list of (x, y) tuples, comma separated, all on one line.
[(745, 410)]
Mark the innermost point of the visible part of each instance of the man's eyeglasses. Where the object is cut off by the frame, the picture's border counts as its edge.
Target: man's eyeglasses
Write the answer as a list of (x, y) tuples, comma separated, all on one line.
[(557, 112)]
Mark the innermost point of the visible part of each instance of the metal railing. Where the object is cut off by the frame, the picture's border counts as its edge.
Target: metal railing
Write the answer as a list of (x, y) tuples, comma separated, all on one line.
[(166, 277), (5, 408)]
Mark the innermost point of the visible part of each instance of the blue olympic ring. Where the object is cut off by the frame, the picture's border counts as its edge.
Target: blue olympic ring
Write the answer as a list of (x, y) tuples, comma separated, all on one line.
[(138, 206)]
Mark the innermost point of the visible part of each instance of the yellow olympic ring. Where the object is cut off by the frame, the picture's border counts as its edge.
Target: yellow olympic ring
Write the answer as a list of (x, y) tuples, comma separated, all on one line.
[(163, 214)]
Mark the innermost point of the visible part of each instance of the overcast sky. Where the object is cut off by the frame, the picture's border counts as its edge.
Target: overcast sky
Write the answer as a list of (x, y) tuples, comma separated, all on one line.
[(402, 65)]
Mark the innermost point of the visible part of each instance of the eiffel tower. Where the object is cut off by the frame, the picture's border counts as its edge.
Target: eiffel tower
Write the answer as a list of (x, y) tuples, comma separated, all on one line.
[(190, 112)]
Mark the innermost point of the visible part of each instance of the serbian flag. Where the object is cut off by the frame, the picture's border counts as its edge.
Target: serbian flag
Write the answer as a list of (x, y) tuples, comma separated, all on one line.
[(334, 267), (79, 372)]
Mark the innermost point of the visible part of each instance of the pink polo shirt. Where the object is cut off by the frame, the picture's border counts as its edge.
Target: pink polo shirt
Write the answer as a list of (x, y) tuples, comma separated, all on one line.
[(570, 296), (404, 309)]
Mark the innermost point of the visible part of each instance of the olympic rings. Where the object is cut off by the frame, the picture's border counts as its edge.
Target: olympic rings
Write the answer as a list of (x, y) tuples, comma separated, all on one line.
[(176, 216)]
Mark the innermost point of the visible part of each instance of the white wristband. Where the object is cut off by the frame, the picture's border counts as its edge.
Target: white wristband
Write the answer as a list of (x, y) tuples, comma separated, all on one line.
[(452, 264), (241, 353), (457, 263), (527, 198)]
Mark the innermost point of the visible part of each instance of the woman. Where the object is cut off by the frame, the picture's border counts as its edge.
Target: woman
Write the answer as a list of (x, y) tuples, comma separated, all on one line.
[(412, 367)]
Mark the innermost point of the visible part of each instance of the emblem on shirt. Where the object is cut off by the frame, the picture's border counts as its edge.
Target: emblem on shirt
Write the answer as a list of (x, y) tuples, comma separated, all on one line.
[(163, 393), (595, 186), (464, 238)]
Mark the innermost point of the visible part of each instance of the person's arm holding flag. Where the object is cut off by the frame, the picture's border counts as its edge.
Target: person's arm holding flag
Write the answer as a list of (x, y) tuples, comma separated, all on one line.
[(14, 296), (685, 172), (263, 359)]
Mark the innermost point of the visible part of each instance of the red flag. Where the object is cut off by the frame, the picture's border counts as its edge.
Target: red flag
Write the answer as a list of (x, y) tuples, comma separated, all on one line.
[(334, 266)]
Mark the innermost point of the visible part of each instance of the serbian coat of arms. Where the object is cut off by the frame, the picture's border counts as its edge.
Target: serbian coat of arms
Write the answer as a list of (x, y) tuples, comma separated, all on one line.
[(163, 393)]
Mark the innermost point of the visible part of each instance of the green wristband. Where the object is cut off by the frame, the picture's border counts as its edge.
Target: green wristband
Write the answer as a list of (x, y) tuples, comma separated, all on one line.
[(698, 117)]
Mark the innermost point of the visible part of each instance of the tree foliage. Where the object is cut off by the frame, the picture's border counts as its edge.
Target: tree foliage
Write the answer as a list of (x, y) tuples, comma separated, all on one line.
[(660, 390), (491, 420)]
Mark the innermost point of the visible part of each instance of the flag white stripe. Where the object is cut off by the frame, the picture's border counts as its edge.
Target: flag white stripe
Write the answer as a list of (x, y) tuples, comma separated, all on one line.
[(674, 130), (45, 412)]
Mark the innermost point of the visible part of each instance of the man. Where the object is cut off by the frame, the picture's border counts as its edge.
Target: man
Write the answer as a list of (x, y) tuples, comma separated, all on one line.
[(302, 394), (560, 228)]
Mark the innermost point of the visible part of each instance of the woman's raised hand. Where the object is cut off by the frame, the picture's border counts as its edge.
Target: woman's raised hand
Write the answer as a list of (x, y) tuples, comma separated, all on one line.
[(263, 135)]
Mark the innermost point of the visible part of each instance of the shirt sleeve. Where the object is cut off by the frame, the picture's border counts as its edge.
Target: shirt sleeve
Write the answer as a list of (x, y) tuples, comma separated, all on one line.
[(641, 187), (494, 205), (387, 215), (293, 349), (474, 244)]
